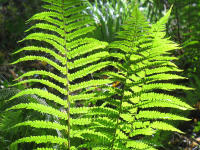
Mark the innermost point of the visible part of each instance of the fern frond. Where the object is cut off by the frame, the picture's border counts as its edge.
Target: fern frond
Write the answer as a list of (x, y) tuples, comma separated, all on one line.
[(42, 124), (41, 139), (162, 76), (160, 25), (162, 69), (81, 121), (43, 36), (44, 73), (161, 104), (40, 58), (139, 145), (42, 49), (120, 45), (87, 60), (164, 97), (79, 24), (61, 31), (145, 131), (80, 32), (87, 84), (164, 126), (144, 67), (40, 108), (164, 86), (86, 48), (47, 16), (46, 26), (82, 97), (159, 115), (80, 110), (88, 70), (45, 82), (41, 93), (104, 111)]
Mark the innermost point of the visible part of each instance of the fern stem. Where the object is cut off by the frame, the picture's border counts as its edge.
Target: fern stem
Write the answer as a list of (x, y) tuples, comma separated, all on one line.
[(120, 110), (67, 85), (117, 124)]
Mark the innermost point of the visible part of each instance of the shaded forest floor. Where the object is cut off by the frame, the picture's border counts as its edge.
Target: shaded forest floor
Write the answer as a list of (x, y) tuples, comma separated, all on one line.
[(191, 139)]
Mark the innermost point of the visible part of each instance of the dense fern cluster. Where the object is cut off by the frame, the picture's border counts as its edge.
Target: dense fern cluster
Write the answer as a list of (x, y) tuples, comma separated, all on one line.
[(86, 111)]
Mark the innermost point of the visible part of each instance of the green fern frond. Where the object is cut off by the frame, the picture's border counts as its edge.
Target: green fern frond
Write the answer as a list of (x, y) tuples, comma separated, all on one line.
[(78, 33), (87, 60), (81, 121), (160, 25), (40, 108), (164, 126), (90, 83), (82, 97), (60, 29), (88, 70), (42, 49), (44, 82), (46, 26), (44, 73), (42, 94), (160, 96), (162, 69), (43, 124), (41, 139), (145, 131), (159, 115), (44, 36), (139, 145), (144, 66), (43, 59), (165, 86), (93, 45)]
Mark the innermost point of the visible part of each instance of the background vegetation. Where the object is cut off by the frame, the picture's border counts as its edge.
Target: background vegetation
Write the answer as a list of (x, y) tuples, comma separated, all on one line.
[(183, 28)]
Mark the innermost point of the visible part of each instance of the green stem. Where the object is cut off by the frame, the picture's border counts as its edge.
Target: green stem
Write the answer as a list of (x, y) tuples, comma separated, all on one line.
[(117, 124), (67, 79), (124, 88)]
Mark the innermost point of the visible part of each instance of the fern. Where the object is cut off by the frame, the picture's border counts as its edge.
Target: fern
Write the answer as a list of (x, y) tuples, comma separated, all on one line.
[(89, 112), (145, 69), (61, 29)]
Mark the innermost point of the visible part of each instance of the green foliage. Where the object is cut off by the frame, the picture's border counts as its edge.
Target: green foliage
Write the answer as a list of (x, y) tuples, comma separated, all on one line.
[(86, 111), (143, 69), (183, 27), (197, 127), (190, 37), (194, 95), (9, 119), (109, 16)]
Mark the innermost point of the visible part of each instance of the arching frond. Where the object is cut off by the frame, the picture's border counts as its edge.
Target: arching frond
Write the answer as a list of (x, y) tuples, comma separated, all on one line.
[(145, 71), (58, 39)]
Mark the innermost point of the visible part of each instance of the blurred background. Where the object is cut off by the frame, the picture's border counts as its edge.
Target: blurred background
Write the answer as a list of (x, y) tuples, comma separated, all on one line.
[(183, 27)]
